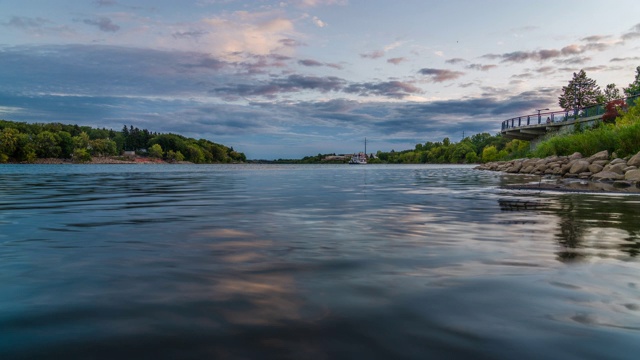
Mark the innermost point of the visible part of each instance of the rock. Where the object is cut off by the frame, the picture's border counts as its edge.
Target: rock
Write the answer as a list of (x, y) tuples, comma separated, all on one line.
[(515, 167), (635, 160), (629, 168), (633, 175), (595, 168), (602, 155), (617, 168), (564, 169), (575, 156), (527, 170), (607, 176), (600, 162), (617, 161), (621, 184), (585, 175), (579, 166)]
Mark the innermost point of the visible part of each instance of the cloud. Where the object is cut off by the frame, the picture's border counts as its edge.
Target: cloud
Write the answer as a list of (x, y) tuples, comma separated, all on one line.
[(633, 33), (292, 83), (310, 62), (573, 61), (481, 67), (455, 61), (547, 54), (27, 23), (319, 23), (101, 3), (290, 43), (595, 38), (315, 3), (396, 60), (634, 58), (104, 24), (373, 54), (391, 89), (441, 75), (188, 34), (243, 32)]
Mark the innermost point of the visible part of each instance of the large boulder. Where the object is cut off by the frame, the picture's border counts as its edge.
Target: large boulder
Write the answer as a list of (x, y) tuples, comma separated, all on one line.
[(579, 166), (618, 161), (635, 160), (607, 176), (595, 168), (617, 168), (515, 167), (632, 175), (602, 155), (575, 156)]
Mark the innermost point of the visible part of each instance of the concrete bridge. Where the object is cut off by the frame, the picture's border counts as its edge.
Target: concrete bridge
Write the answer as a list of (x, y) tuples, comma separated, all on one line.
[(533, 127)]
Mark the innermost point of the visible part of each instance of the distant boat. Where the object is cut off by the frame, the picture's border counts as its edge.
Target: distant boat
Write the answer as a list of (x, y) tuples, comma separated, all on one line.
[(360, 158)]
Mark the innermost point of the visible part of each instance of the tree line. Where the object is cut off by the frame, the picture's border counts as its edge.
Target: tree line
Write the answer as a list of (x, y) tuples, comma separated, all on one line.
[(25, 142)]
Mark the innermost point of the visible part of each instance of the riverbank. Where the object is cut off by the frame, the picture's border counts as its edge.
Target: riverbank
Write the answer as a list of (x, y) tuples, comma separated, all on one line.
[(108, 160), (597, 173)]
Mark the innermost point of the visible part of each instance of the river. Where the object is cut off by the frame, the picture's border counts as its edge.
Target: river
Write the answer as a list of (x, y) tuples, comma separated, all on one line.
[(311, 262)]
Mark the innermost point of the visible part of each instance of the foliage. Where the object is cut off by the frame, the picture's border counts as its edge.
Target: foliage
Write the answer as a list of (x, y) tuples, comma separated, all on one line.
[(580, 92), (81, 155), (23, 142), (611, 92), (155, 151), (623, 137), (613, 109), (634, 87)]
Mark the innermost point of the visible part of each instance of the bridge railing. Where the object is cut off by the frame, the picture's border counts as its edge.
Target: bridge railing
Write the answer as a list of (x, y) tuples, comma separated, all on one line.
[(560, 116)]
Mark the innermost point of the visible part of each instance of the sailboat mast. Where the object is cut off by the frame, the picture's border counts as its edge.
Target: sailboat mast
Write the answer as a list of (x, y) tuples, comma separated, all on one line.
[(365, 146)]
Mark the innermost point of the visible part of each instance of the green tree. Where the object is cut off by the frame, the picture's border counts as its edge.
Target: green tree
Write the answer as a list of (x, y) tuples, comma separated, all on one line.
[(65, 140), (103, 147), (155, 151), (611, 92), (46, 145), (25, 151), (9, 140), (634, 87), (581, 91), (81, 155), (81, 141), (175, 156)]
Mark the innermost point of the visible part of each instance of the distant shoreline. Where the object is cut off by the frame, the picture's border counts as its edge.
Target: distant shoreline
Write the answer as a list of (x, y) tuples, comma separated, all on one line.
[(107, 160)]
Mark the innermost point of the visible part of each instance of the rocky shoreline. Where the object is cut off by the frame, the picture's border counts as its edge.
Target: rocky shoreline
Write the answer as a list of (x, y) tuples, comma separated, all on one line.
[(600, 172)]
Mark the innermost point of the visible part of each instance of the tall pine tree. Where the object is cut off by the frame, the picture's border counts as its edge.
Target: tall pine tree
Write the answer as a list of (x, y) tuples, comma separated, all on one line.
[(580, 92)]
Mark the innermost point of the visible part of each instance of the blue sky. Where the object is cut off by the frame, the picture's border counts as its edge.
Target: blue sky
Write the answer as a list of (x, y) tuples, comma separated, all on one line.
[(286, 79)]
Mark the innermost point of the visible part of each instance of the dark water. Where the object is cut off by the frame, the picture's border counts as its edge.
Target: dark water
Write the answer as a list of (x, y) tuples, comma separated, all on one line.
[(311, 262)]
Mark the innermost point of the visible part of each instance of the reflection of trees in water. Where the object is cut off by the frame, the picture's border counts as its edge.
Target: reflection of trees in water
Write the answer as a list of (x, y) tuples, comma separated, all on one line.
[(579, 215)]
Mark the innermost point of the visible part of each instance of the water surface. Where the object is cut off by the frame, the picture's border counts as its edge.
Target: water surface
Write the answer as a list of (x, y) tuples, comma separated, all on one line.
[(317, 262)]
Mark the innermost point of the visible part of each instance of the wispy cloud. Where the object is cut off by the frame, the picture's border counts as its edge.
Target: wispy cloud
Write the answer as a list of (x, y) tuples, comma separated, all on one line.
[(396, 60), (633, 33), (104, 24), (440, 75), (481, 67), (391, 89), (376, 54), (456, 61), (547, 54)]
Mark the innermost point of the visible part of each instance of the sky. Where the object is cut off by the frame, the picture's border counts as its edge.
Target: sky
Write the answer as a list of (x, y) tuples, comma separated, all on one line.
[(292, 78)]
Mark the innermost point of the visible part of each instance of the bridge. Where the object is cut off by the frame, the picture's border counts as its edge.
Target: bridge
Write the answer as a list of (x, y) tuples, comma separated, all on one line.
[(533, 127)]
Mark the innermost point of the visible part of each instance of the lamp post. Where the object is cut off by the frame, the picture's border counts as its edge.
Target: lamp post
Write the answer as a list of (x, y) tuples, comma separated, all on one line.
[(538, 110)]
